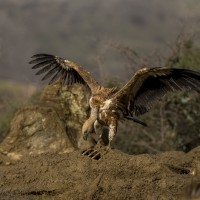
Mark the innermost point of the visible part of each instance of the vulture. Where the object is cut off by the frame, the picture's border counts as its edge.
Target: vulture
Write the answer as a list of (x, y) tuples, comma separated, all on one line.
[(109, 105)]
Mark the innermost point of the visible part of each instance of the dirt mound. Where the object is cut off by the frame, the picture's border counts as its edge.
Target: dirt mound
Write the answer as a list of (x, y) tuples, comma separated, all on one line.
[(114, 176)]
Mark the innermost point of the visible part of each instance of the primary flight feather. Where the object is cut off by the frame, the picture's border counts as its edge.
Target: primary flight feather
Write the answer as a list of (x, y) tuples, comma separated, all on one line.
[(108, 105)]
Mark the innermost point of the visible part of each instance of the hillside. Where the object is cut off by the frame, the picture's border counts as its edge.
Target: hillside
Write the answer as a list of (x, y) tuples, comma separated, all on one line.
[(69, 28)]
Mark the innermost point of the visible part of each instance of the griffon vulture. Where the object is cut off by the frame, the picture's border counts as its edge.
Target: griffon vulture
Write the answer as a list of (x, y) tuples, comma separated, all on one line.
[(108, 105)]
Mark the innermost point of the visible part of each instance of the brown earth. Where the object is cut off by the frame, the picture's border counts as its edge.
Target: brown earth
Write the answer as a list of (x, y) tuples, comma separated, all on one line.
[(41, 158), (114, 176)]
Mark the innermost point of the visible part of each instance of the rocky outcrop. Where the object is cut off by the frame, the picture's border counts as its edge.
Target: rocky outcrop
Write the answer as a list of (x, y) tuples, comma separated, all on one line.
[(53, 125)]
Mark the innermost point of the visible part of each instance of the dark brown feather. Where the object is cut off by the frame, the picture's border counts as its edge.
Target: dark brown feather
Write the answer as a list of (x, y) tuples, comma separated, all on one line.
[(42, 64), (56, 68), (39, 55), (155, 88), (44, 69), (67, 71), (41, 59), (56, 76), (153, 84), (51, 72)]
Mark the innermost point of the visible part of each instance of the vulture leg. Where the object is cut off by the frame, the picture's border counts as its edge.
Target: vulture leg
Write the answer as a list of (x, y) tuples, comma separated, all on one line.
[(112, 130), (100, 149), (98, 129)]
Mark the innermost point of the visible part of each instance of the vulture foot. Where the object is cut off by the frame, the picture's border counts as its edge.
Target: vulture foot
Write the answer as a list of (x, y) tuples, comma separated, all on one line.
[(96, 152)]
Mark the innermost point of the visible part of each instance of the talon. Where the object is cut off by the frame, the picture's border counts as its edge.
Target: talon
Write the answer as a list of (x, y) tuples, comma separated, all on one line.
[(96, 152), (87, 151), (97, 156), (93, 153)]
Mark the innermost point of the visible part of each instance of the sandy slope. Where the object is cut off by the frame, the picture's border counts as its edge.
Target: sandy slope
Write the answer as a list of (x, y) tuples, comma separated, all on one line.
[(114, 176)]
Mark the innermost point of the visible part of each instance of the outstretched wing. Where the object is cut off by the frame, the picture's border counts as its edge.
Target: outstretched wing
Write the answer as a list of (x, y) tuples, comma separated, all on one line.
[(57, 68), (148, 85)]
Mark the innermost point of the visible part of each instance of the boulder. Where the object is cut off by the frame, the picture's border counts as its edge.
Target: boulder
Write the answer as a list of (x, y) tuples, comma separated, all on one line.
[(53, 125)]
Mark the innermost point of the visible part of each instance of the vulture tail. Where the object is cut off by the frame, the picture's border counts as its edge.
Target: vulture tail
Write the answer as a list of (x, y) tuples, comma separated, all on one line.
[(136, 120)]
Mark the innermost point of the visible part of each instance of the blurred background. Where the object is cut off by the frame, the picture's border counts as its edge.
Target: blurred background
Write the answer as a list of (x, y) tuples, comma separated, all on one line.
[(111, 39)]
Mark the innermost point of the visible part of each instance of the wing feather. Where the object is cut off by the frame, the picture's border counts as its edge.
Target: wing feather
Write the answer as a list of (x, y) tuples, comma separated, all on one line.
[(40, 55), (51, 72), (42, 64), (40, 59), (56, 76), (44, 69), (147, 86), (58, 68)]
